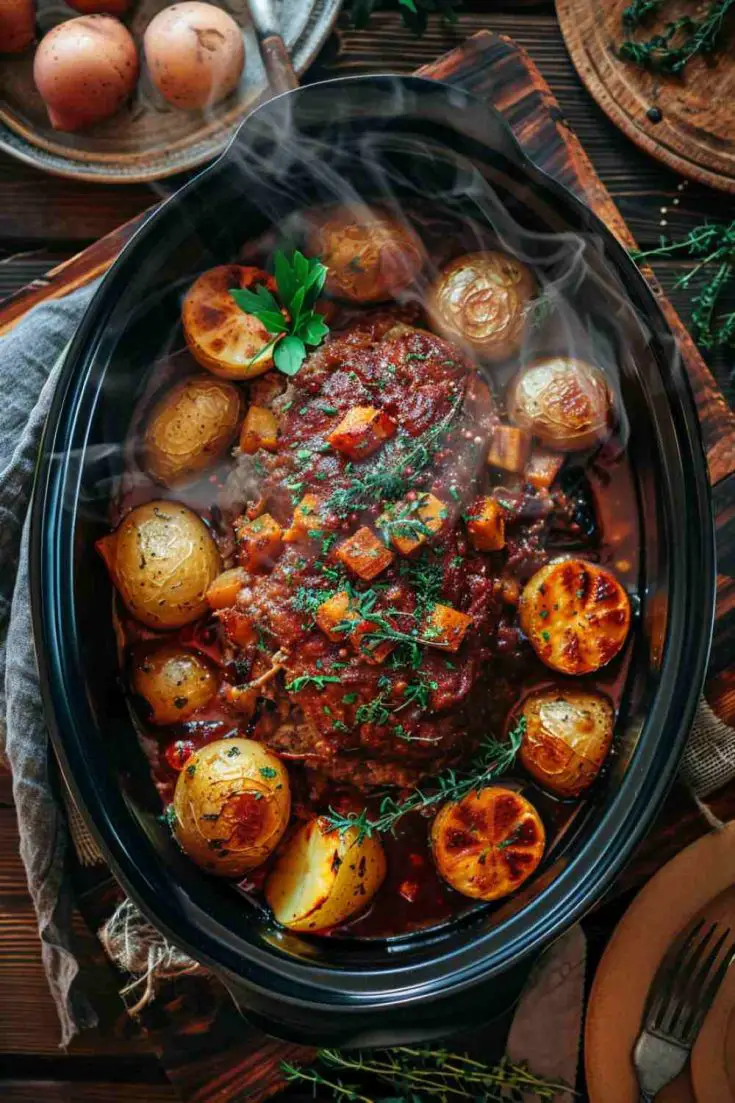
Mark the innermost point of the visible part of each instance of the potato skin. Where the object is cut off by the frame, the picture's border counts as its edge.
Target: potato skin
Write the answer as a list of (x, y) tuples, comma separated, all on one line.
[(220, 336), (85, 69), (232, 804), (195, 54), (190, 427), (100, 7), (568, 735), (162, 558), (371, 256), (564, 402), (480, 300), (173, 681), (576, 615), (323, 877), (487, 844), (17, 25)]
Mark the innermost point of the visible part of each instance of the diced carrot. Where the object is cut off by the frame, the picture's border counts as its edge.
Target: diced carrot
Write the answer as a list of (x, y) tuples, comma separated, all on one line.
[(259, 430), (373, 651), (542, 468), (361, 432), (364, 554), (259, 542), (335, 615), (224, 590), (509, 448), (445, 627), (238, 627), (486, 525), (307, 520), (409, 524)]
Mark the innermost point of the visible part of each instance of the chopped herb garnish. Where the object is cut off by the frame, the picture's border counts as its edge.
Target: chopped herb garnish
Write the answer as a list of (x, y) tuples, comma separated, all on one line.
[(317, 680), (267, 771)]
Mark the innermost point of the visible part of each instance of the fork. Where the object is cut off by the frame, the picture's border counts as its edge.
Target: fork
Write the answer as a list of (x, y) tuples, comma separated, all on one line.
[(682, 993)]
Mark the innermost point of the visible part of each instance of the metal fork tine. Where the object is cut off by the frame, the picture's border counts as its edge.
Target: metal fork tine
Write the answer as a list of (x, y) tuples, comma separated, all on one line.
[(696, 985), (663, 983), (708, 996), (687, 966)]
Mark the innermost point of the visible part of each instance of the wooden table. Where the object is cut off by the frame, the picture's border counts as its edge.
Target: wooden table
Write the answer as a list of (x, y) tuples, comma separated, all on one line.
[(45, 220)]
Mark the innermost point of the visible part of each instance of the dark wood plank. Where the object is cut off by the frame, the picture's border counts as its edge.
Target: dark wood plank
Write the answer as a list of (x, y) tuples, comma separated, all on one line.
[(80, 1091)]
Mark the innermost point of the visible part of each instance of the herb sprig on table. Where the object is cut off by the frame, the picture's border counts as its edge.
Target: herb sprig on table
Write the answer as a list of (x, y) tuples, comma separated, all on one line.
[(714, 246), (680, 40), (299, 282), (492, 760), (414, 13), (417, 1075)]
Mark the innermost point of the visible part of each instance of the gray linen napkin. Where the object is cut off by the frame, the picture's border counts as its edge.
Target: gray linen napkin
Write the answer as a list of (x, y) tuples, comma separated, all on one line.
[(30, 358), (29, 364)]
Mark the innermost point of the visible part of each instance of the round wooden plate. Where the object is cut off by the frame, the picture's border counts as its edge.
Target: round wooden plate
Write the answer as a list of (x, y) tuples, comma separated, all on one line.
[(696, 132), (148, 139), (697, 882)]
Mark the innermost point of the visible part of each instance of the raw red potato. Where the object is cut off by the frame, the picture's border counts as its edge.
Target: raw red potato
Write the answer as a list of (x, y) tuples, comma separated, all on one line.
[(17, 25), (195, 54)]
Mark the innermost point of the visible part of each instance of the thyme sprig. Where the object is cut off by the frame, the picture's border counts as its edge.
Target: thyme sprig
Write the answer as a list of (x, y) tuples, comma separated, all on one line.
[(492, 760), (414, 13), (418, 1074), (672, 49), (714, 245)]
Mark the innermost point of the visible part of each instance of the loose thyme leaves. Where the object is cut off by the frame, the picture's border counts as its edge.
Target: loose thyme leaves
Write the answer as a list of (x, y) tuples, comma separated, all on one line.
[(680, 40), (299, 282), (714, 246), (492, 760), (317, 680)]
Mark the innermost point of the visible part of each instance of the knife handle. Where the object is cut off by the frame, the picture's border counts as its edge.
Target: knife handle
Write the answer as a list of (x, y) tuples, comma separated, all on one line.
[(281, 75)]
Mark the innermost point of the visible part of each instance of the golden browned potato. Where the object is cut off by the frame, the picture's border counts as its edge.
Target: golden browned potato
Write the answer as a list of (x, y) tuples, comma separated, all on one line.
[(564, 402), (567, 736), (85, 69), (195, 54), (480, 299), (162, 558), (190, 427), (232, 803), (17, 25), (576, 615), (323, 877), (487, 844), (370, 255), (221, 336), (173, 681)]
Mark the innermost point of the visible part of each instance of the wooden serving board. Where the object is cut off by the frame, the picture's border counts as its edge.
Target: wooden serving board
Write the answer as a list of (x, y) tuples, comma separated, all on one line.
[(208, 1051), (685, 121)]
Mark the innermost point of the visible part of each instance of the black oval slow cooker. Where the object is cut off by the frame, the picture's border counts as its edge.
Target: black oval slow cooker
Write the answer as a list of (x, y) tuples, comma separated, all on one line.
[(388, 138)]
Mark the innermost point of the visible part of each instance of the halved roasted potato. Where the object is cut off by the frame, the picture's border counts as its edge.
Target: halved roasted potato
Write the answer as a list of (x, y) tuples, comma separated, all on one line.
[(565, 402), (175, 682), (370, 255), (323, 876), (568, 733), (576, 615), (221, 336), (480, 300), (231, 806), (487, 844), (162, 559), (190, 427)]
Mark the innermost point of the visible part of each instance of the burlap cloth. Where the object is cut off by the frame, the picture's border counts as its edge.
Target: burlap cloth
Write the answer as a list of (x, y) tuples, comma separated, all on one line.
[(29, 364)]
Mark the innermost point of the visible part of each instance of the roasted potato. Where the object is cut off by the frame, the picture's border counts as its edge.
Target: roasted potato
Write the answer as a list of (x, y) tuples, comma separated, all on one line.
[(480, 300), (323, 877), (576, 615), (370, 255), (568, 733), (221, 336), (231, 805), (17, 25), (173, 681), (84, 70), (189, 428), (487, 844), (564, 402), (162, 559), (195, 54)]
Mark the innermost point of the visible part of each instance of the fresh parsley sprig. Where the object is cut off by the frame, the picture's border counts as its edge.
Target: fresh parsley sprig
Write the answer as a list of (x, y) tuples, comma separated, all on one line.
[(714, 247), (492, 760), (291, 317)]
